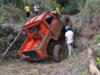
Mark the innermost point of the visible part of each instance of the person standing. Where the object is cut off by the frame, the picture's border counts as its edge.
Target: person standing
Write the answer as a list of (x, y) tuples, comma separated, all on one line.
[(36, 9), (27, 10), (69, 35)]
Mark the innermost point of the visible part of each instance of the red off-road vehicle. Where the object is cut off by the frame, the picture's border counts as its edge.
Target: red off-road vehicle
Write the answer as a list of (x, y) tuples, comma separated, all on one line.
[(44, 38)]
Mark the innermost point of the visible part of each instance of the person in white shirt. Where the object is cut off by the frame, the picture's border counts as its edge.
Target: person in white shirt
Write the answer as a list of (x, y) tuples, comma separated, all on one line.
[(69, 35), (36, 9)]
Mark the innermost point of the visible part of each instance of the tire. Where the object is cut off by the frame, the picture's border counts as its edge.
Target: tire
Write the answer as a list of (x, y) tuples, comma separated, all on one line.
[(58, 53)]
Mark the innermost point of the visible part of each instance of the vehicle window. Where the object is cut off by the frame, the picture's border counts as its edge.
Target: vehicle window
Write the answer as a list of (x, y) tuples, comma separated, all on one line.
[(49, 19), (33, 29)]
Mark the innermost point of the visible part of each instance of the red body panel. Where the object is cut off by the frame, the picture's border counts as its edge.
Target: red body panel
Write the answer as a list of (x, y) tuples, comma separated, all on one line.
[(31, 41), (36, 18), (39, 26), (29, 45)]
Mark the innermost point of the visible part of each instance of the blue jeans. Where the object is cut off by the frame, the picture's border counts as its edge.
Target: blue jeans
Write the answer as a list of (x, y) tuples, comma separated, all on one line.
[(70, 49)]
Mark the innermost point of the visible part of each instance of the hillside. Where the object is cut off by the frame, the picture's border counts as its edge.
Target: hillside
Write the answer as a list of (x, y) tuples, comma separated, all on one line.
[(85, 16)]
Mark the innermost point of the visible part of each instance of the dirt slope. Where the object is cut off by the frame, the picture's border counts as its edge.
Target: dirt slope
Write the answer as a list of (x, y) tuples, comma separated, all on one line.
[(91, 25), (75, 65)]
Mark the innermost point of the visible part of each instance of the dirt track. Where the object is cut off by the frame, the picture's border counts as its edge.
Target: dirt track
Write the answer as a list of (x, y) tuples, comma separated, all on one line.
[(75, 65)]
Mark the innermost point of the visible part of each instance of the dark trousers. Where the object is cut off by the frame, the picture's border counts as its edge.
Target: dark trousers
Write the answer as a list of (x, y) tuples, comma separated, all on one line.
[(27, 14)]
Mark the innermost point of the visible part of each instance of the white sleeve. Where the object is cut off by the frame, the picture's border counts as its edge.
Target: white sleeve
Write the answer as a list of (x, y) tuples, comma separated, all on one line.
[(73, 34), (66, 34)]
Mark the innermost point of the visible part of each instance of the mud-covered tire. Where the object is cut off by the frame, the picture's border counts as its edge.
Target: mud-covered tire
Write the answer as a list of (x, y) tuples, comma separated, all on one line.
[(57, 51)]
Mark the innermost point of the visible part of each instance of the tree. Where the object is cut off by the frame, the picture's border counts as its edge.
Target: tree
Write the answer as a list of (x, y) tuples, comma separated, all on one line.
[(62, 2)]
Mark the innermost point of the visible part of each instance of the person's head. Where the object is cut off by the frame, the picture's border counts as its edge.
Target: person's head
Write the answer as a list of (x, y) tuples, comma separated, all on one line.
[(26, 4), (68, 28), (67, 20)]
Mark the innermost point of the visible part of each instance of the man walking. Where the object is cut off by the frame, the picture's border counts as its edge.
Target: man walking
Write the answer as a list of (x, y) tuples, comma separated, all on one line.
[(69, 39)]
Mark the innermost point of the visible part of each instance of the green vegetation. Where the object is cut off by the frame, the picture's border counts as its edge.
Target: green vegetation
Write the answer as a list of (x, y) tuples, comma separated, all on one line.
[(16, 3), (96, 40), (83, 70), (2, 14), (73, 6), (95, 6), (97, 37), (97, 61), (69, 6), (96, 48), (7, 6), (92, 6)]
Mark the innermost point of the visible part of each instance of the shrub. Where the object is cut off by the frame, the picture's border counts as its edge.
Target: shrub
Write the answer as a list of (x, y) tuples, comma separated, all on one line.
[(97, 37), (92, 6), (73, 6), (2, 14)]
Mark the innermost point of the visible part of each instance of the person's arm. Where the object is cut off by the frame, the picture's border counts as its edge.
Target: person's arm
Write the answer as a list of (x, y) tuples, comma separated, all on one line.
[(73, 37), (65, 38)]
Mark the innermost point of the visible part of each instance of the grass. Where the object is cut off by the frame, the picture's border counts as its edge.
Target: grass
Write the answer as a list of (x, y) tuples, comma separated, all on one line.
[(97, 61), (97, 38), (95, 41), (83, 70)]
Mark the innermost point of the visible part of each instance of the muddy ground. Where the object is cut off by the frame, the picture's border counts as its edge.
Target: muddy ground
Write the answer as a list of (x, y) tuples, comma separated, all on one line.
[(74, 65)]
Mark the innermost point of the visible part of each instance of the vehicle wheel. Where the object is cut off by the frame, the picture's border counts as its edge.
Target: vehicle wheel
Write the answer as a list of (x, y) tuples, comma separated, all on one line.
[(58, 53)]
